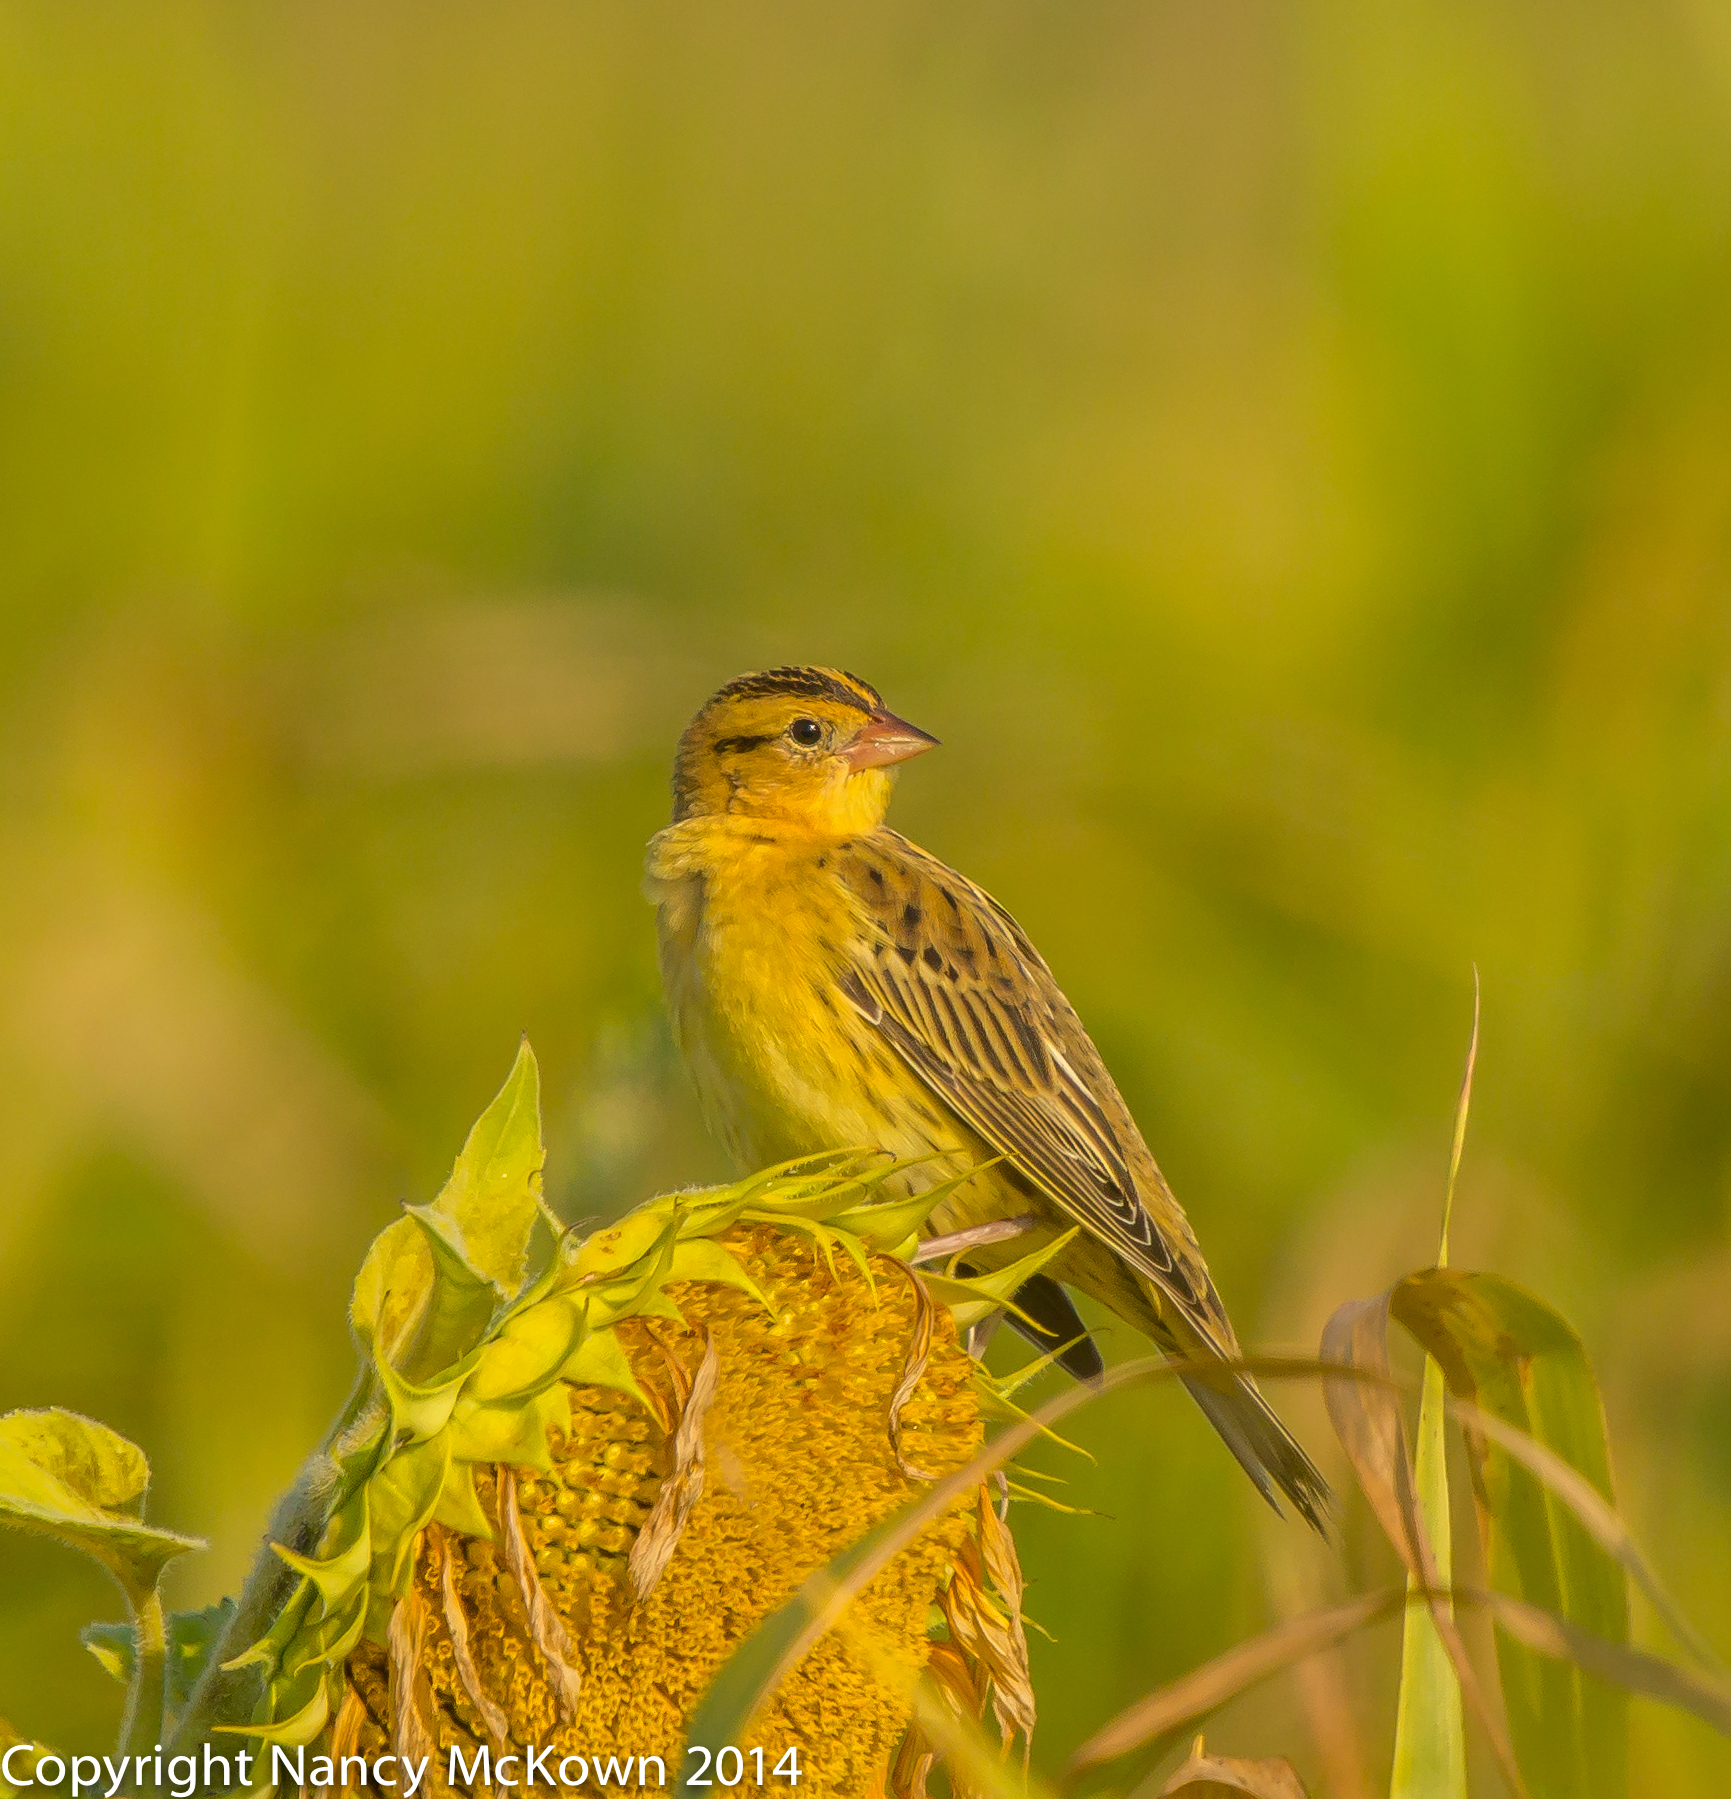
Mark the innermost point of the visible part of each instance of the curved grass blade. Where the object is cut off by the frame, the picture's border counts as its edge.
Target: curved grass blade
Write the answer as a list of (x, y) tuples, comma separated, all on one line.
[(1186, 1701), (783, 1639), (1602, 1521), (1615, 1664), (1183, 1702)]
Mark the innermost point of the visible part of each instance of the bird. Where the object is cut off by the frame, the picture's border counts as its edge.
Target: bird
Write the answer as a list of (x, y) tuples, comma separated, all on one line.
[(829, 983)]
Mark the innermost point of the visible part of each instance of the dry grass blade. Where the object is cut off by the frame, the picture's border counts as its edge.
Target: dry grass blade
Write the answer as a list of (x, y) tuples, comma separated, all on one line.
[(410, 1736), (1368, 1423), (958, 1686), (544, 1622), (961, 1681), (913, 1367), (1597, 1516), (1322, 1684), (1205, 1775), (457, 1626), (1206, 1689), (682, 1489), (1367, 1419), (1632, 1669)]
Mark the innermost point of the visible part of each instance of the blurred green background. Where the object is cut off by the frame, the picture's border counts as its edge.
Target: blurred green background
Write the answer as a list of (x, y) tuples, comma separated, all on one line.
[(1284, 451)]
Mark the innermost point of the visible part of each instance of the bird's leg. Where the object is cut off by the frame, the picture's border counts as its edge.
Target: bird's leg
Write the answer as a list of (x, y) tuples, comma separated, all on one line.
[(980, 1335), (996, 1231)]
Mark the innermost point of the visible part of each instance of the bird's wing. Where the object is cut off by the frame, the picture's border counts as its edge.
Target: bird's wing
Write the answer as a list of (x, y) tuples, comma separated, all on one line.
[(958, 991)]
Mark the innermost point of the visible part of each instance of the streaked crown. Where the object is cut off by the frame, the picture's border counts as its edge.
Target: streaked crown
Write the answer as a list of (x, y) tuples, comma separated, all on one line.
[(807, 745)]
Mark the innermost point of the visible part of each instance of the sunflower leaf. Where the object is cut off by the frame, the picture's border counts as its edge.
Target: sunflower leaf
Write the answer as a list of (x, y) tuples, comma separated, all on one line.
[(68, 1477)]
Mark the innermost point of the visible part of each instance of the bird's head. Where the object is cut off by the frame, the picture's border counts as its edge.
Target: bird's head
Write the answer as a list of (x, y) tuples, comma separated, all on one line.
[(811, 745)]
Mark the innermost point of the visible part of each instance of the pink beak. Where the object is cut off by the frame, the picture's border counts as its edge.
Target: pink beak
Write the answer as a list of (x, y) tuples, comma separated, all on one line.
[(887, 739)]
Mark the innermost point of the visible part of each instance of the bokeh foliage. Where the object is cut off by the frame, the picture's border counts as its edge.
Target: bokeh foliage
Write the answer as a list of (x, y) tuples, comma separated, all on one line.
[(1282, 451)]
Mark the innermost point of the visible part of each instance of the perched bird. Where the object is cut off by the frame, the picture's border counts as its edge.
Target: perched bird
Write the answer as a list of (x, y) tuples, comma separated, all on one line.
[(832, 984)]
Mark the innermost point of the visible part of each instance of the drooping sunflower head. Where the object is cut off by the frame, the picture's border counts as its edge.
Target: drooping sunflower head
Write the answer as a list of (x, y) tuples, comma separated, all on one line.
[(580, 1471), (811, 745), (620, 1573)]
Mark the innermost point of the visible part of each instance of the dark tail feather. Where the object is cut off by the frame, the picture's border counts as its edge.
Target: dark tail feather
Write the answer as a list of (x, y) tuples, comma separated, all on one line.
[(1266, 1450), (1056, 1321)]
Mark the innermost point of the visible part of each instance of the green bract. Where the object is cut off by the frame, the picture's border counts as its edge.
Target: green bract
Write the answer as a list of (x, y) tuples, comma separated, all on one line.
[(472, 1338)]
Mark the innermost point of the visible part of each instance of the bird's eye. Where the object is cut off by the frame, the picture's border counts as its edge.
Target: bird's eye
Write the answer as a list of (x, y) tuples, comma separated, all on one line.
[(806, 731)]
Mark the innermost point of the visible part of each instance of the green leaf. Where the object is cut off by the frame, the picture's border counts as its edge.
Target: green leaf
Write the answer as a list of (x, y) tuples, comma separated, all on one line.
[(268, 1651), (326, 1643), (1514, 1357), (420, 1412), (115, 1646), (890, 1223), (977, 1296), (637, 1288), (191, 1638), (494, 1194), (1430, 1732), (73, 1479), (431, 1282), (612, 1253), (460, 1307), (1000, 1283)]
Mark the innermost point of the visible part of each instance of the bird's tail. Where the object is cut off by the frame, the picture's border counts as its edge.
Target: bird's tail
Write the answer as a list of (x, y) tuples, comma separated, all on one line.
[(1266, 1450)]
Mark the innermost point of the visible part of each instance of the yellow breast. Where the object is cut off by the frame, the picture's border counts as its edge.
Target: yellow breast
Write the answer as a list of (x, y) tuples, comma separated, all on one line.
[(754, 926)]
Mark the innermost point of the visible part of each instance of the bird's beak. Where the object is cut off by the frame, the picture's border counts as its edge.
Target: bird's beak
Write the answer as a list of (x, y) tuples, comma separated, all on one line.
[(887, 739)]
